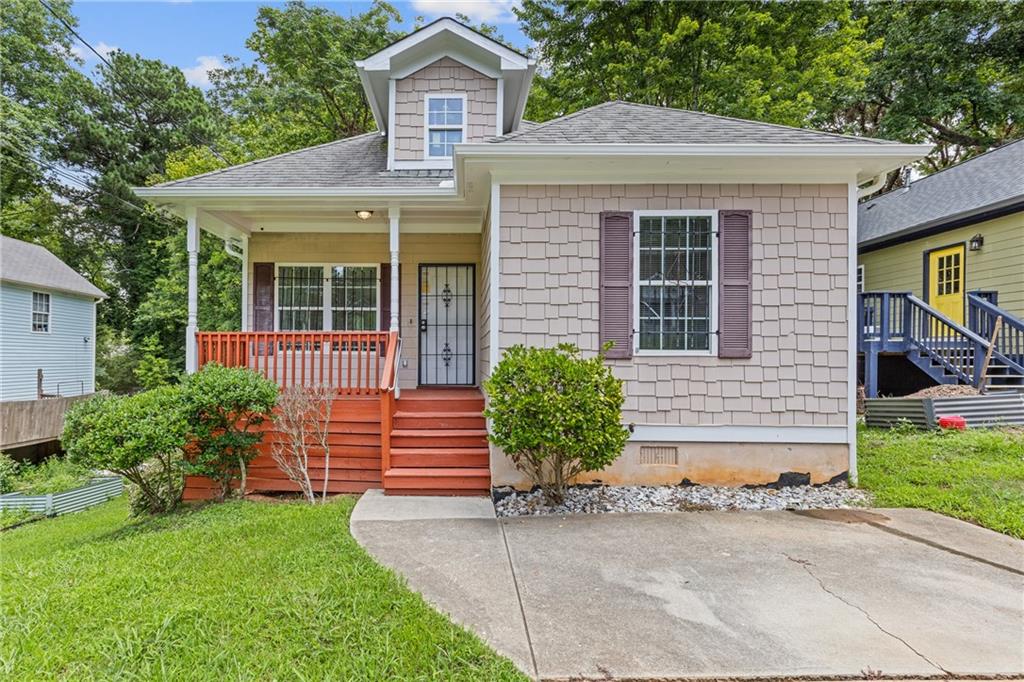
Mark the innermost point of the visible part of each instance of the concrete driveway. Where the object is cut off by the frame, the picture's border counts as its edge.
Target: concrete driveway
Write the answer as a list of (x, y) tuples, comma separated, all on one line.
[(888, 593)]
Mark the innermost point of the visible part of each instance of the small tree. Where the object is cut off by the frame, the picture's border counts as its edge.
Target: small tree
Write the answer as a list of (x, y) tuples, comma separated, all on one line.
[(139, 437), (224, 406), (555, 414), (302, 420)]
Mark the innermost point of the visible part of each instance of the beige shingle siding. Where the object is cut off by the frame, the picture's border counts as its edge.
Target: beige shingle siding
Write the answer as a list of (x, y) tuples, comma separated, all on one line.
[(373, 249), (443, 76), (998, 266), (798, 372)]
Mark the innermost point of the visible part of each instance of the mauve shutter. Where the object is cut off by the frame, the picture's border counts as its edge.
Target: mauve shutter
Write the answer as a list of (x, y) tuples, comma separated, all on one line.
[(735, 298), (263, 297), (616, 282), (384, 324)]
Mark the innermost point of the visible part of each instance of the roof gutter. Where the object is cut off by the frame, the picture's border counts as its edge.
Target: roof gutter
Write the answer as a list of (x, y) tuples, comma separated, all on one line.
[(850, 150), (947, 222), (292, 192)]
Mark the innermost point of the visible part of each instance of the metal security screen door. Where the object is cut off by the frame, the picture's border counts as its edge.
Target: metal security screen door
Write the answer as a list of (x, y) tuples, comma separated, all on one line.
[(447, 325)]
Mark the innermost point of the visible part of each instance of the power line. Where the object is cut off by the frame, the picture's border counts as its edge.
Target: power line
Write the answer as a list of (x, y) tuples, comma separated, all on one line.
[(114, 73)]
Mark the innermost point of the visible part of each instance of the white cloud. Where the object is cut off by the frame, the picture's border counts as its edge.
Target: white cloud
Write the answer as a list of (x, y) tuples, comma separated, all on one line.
[(490, 11), (199, 74), (87, 55)]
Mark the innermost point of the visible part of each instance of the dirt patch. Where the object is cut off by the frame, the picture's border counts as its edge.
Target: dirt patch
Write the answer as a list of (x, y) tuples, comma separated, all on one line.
[(945, 391)]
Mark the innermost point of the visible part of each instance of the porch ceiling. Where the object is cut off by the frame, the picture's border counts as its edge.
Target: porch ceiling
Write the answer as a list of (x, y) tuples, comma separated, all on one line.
[(228, 223)]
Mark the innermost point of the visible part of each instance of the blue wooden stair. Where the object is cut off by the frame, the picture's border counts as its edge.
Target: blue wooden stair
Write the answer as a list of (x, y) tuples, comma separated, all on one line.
[(948, 352)]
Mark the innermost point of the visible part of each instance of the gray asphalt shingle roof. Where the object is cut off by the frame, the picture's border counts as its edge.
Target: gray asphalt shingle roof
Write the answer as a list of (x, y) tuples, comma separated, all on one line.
[(359, 161), (627, 123), (985, 182), (32, 265)]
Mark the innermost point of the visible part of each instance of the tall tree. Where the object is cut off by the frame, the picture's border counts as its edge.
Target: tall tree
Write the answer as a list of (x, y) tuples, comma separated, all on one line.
[(790, 63), (304, 88), (950, 73)]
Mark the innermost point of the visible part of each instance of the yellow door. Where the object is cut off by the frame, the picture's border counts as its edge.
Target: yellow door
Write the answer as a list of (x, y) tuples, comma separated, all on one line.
[(946, 281)]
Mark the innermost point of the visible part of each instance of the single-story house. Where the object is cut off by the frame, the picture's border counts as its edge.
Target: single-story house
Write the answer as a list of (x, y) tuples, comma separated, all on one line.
[(716, 253), (955, 231), (47, 341)]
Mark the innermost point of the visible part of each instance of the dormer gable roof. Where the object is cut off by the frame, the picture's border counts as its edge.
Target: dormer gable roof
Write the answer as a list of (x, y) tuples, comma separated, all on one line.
[(447, 37)]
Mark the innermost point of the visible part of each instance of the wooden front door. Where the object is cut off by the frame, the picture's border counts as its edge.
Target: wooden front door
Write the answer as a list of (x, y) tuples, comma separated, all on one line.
[(447, 352), (946, 280)]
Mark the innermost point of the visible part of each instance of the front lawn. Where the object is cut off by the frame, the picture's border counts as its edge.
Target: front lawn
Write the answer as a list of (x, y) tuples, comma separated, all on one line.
[(976, 475), (240, 590)]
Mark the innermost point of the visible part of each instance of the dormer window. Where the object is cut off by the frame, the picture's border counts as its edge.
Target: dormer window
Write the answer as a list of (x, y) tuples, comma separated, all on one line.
[(445, 125)]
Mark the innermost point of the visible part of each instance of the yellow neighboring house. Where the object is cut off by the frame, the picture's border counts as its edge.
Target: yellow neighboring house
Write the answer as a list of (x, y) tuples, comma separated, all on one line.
[(959, 230)]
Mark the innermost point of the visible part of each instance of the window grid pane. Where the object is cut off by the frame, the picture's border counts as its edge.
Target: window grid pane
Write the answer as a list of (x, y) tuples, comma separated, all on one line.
[(300, 298), (353, 298), (445, 118), (40, 312), (675, 283)]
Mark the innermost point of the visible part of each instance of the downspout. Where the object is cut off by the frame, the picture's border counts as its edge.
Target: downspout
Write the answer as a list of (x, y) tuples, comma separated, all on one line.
[(873, 186)]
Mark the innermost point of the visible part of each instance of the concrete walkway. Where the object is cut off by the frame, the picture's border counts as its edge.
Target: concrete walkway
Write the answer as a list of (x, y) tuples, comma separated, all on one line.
[(713, 594)]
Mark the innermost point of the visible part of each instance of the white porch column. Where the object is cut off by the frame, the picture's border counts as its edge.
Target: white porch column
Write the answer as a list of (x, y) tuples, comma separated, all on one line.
[(393, 216), (192, 243), (245, 284)]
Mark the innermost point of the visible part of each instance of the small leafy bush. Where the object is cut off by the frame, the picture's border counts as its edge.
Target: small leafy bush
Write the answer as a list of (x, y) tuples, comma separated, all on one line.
[(132, 436), (224, 405), (8, 472), (555, 414), (167, 483)]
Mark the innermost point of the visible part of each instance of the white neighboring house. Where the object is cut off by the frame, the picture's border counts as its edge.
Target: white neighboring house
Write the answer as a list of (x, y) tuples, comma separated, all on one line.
[(47, 323)]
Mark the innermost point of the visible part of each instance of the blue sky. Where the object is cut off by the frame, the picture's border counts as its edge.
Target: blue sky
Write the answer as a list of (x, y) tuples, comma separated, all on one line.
[(196, 35)]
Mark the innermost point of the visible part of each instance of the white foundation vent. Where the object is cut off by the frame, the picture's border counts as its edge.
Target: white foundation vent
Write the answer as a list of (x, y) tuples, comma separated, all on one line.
[(663, 455)]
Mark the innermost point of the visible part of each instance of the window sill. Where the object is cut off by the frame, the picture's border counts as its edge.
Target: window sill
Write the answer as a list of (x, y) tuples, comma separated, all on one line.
[(674, 353)]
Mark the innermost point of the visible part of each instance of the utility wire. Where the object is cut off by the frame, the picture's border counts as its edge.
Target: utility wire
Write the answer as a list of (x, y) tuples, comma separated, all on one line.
[(114, 73)]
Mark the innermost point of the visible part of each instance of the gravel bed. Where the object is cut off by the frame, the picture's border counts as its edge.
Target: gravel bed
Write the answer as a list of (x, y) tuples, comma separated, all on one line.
[(622, 499)]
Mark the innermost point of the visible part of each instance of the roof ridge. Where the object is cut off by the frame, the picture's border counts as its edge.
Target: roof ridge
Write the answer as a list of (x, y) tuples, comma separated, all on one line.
[(171, 183), (559, 119), (955, 166), (877, 140)]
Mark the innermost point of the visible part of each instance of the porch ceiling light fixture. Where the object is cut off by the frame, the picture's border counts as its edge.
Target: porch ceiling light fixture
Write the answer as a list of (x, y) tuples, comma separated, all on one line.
[(976, 242), (364, 214)]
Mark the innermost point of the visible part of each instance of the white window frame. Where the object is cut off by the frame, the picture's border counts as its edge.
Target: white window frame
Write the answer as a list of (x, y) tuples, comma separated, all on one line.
[(328, 309), (713, 303), (426, 121), (861, 280), (33, 312)]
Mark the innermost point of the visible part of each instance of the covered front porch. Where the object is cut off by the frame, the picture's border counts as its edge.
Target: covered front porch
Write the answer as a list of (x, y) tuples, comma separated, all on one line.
[(389, 309)]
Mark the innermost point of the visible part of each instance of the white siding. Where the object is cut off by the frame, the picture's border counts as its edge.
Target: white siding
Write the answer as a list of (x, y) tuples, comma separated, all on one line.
[(66, 354)]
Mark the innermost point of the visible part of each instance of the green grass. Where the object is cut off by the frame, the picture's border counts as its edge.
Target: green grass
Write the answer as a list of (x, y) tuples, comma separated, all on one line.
[(241, 590), (976, 475), (12, 517)]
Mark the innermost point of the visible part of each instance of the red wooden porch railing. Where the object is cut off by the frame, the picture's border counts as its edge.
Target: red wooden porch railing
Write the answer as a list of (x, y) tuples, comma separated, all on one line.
[(355, 363)]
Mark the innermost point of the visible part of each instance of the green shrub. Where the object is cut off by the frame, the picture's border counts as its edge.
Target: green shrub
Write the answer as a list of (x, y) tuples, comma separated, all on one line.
[(8, 472), (555, 414), (166, 483), (153, 370), (224, 405), (131, 435)]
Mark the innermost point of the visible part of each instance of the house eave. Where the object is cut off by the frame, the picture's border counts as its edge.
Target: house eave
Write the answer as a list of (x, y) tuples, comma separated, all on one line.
[(851, 150), (948, 222), (297, 193)]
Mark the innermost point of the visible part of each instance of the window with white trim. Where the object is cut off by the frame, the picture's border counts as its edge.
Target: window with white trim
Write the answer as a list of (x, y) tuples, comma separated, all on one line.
[(446, 124), (675, 270), (40, 312), (309, 300), (353, 297), (860, 279)]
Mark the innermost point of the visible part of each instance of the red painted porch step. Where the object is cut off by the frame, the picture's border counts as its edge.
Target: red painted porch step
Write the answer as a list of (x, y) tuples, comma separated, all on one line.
[(438, 438), (440, 420), (455, 480), (442, 458)]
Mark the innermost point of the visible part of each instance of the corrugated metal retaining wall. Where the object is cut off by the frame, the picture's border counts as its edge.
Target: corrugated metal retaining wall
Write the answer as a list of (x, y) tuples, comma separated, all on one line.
[(1001, 409), (53, 504)]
